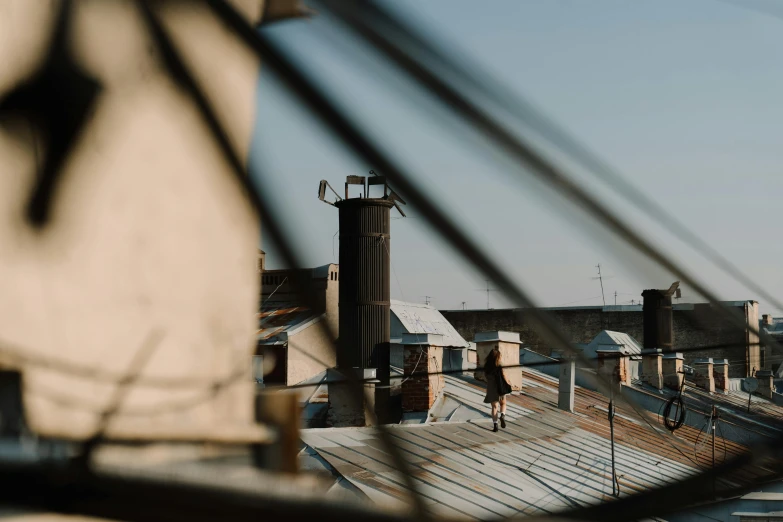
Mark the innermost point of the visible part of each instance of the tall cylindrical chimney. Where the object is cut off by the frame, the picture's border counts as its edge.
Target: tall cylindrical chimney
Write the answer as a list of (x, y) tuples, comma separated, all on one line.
[(365, 251), (658, 318)]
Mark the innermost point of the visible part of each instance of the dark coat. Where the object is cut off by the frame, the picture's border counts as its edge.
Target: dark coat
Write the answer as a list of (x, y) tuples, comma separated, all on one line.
[(497, 385)]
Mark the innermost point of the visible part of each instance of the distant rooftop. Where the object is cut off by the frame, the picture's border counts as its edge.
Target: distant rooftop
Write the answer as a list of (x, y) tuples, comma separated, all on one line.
[(424, 319), (609, 339), (610, 308)]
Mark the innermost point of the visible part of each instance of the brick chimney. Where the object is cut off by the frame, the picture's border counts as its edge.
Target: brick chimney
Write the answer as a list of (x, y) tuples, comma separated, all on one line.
[(703, 374), (565, 393), (766, 383), (422, 353), (614, 364), (672, 370), (652, 367), (508, 344), (766, 319), (720, 374)]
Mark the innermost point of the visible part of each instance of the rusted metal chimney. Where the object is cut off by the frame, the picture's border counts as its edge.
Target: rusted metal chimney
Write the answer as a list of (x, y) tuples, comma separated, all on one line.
[(365, 275), (658, 321)]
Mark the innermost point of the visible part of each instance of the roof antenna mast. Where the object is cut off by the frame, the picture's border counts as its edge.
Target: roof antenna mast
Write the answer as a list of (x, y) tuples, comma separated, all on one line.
[(600, 278)]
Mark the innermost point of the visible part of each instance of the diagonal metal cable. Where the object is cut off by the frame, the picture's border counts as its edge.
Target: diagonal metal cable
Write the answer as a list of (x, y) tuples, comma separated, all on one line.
[(525, 155), (131, 498), (327, 112), (427, 53), (176, 67), (319, 104), (315, 100), (57, 100), (442, 223), (137, 363), (212, 122)]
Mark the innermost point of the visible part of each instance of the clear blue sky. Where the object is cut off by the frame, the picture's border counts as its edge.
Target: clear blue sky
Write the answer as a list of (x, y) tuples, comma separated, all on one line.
[(682, 97)]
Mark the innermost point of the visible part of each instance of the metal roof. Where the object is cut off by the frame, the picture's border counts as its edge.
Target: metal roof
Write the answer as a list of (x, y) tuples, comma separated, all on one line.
[(609, 339), (764, 418), (547, 460), (421, 318), (280, 317)]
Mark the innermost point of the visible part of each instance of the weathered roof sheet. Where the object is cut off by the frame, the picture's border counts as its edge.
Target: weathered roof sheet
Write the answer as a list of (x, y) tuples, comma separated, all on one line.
[(755, 415), (278, 317), (608, 338), (547, 460), (421, 318)]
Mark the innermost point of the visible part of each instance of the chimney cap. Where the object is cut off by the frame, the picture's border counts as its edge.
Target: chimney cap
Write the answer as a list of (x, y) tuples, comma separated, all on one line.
[(607, 351), (707, 360), (765, 373), (423, 339), (652, 351), (674, 355), (666, 293), (506, 337), (724, 362)]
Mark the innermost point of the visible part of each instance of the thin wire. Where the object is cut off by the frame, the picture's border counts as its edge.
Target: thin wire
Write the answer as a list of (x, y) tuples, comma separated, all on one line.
[(318, 103), (322, 106), (137, 363), (525, 155), (406, 192), (725, 451), (708, 425), (182, 76), (512, 103), (580, 301), (22, 355), (276, 289), (402, 294), (525, 365)]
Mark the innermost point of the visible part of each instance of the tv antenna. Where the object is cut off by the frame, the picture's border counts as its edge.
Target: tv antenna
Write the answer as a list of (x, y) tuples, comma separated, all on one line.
[(487, 290), (427, 299), (601, 280), (463, 304)]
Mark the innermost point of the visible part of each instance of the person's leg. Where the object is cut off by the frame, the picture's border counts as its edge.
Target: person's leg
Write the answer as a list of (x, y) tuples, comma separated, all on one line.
[(503, 412), (495, 416)]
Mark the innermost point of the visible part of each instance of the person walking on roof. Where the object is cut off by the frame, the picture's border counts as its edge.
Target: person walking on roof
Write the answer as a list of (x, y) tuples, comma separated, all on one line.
[(497, 387)]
